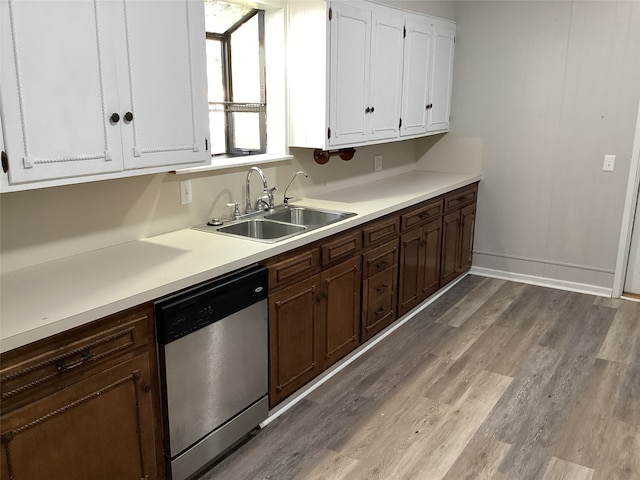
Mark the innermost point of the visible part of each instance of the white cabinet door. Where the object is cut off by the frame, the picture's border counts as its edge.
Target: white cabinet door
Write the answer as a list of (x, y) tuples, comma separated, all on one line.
[(91, 89), (58, 90), (441, 78), (350, 43), (415, 91), (386, 77), (164, 89)]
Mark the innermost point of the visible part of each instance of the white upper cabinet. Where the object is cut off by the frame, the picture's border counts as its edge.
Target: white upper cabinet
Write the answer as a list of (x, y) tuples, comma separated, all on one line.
[(350, 33), (96, 90), (415, 88), (386, 76), (362, 73), (441, 77), (365, 75)]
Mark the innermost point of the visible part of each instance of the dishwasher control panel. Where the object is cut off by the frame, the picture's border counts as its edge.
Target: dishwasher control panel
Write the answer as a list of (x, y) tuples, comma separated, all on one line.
[(192, 309)]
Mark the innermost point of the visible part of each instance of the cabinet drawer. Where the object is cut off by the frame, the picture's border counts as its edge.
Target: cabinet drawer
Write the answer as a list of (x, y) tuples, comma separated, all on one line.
[(341, 247), (381, 231), (380, 258), (422, 214), (382, 312), (380, 301), (294, 268), (36, 370), (460, 198), (380, 286)]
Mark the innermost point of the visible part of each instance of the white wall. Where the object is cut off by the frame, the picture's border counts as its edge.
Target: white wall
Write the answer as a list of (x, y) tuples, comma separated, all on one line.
[(542, 91), (437, 8), (47, 224)]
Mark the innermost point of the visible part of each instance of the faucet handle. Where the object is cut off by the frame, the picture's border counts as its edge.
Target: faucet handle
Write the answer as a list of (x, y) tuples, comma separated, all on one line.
[(236, 209)]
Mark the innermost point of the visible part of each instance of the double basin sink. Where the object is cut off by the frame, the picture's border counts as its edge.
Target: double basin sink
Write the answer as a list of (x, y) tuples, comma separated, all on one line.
[(281, 223)]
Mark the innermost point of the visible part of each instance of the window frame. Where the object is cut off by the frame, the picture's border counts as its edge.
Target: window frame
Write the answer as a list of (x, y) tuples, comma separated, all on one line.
[(229, 105)]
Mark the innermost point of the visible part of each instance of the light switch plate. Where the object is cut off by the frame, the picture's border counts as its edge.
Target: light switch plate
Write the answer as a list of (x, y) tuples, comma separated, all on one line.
[(609, 163), (186, 194), (377, 163)]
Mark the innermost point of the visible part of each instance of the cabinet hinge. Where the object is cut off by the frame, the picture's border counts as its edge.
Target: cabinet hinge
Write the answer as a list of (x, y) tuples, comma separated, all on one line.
[(404, 32), (400, 123), (5, 162), (329, 132), (330, 13)]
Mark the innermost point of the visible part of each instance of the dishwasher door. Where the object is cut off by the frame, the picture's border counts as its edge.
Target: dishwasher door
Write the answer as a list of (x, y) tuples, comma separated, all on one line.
[(214, 373), (214, 366)]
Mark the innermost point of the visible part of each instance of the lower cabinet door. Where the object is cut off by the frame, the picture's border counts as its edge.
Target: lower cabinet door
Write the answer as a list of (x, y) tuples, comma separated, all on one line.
[(468, 220), (294, 337), (101, 427), (450, 247), (431, 249), (340, 310), (409, 282)]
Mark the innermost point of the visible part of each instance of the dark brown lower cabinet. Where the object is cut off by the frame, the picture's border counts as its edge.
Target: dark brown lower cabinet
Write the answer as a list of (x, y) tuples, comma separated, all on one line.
[(294, 337), (84, 403), (100, 427), (419, 264), (457, 243), (312, 325), (328, 297), (379, 288), (340, 310)]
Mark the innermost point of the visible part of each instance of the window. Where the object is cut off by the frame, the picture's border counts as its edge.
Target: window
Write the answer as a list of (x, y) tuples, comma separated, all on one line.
[(236, 78)]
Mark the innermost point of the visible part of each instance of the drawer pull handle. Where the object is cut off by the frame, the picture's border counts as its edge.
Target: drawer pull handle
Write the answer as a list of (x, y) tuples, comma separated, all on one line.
[(382, 264), (86, 356), (382, 287), (380, 312)]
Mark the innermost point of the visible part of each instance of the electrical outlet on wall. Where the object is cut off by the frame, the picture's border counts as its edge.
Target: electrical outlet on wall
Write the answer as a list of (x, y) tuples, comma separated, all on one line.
[(377, 163), (186, 194), (609, 163)]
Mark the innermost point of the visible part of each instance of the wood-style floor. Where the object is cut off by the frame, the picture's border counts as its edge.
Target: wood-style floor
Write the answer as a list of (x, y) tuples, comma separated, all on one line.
[(495, 380)]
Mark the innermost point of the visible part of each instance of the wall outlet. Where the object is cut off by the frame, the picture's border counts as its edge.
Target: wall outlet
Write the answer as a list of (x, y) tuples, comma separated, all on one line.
[(609, 163), (186, 194), (377, 163)]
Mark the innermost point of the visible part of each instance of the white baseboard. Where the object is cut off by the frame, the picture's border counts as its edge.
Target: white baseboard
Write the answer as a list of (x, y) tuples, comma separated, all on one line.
[(543, 282)]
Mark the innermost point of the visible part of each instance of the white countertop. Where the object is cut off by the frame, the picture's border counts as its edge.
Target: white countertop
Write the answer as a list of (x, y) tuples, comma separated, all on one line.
[(50, 298)]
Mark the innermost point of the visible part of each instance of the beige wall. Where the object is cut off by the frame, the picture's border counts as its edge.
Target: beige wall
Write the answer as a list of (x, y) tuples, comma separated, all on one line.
[(542, 91), (52, 223)]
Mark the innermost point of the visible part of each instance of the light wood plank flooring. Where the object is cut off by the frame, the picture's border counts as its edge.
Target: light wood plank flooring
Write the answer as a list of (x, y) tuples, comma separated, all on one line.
[(495, 380)]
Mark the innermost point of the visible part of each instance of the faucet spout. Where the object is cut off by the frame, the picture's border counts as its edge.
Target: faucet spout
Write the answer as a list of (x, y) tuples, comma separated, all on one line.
[(286, 199), (248, 207)]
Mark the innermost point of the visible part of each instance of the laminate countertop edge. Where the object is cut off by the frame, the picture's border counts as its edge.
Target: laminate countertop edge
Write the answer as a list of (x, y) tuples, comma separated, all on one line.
[(50, 298)]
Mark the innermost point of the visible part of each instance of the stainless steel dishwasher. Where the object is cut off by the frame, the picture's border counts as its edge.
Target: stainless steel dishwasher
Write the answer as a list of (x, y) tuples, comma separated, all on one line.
[(212, 351)]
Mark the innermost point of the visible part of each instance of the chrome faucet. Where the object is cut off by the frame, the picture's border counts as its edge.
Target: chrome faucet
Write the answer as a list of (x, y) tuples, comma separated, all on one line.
[(286, 199), (265, 201)]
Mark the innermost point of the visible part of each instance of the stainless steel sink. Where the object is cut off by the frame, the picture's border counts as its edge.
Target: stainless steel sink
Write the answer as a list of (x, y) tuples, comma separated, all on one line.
[(282, 223), (261, 229), (308, 216)]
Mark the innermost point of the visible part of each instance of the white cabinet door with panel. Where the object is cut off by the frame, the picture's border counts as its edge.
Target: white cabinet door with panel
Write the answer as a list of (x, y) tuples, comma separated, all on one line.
[(165, 89), (386, 77), (441, 77), (91, 89), (350, 44), (59, 90), (415, 88)]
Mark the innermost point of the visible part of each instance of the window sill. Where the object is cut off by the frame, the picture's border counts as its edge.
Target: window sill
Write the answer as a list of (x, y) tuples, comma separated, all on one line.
[(233, 162)]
